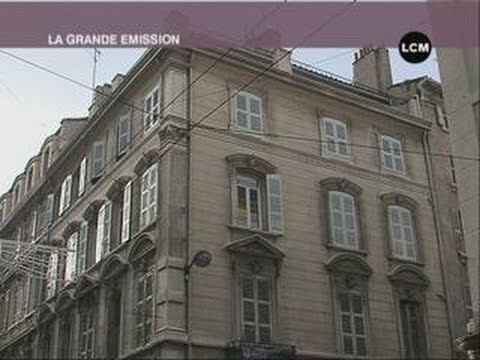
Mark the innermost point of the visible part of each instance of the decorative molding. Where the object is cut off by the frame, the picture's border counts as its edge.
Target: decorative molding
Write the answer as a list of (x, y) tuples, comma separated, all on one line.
[(70, 229), (255, 245), (112, 267), (92, 209), (141, 246), (407, 274), (348, 263), (148, 158), (252, 162)]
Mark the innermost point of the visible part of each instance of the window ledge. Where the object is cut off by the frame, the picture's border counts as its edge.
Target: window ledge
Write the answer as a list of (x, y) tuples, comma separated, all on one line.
[(405, 261), (332, 246), (254, 231), (335, 157)]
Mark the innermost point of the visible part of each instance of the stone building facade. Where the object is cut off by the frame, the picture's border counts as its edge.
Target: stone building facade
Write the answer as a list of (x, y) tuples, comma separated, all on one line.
[(325, 206)]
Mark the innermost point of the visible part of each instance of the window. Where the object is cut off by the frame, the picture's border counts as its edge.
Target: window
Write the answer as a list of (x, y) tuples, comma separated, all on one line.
[(126, 210), (87, 333), (352, 323), (392, 157), (81, 255), (413, 331), (30, 178), (98, 163), (33, 226), (152, 109), (3, 210), (452, 171), (248, 200), (52, 274), (16, 194), (144, 306), (65, 194), (103, 231), (70, 262), (402, 232), (442, 118), (49, 208), (248, 112), (148, 203), (46, 161), (343, 225), (123, 135), (335, 138), (256, 309), (82, 179)]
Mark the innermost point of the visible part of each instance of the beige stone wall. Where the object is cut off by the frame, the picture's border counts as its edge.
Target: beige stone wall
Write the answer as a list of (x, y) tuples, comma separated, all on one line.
[(305, 315)]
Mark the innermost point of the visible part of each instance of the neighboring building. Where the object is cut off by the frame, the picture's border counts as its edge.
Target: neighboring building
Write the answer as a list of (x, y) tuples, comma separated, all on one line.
[(325, 205), (460, 78)]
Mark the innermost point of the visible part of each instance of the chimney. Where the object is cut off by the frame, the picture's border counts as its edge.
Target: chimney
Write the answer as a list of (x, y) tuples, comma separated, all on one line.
[(371, 67), (101, 94)]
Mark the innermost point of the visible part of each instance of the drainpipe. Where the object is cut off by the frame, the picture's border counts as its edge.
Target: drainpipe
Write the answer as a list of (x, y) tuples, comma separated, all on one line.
[(187, 281), (432, 192)]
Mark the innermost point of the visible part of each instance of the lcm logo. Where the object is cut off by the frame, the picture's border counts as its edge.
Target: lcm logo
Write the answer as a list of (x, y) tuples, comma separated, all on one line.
[(415, 47)]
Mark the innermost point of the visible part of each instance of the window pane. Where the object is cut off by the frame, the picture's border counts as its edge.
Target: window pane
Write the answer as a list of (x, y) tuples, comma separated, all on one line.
[(264, 335), (398, 164), (405, 218), (329, 128), (241, 102), (241, 119), (255, 106), (248, 311), (357, 304), (264, 314), (344, 303), (410, 252), (338, 236), (397, 232), (361, 346), (248, 288), (346, 324), (249, 333), (349, 221), (263, 291), (342, 148), (341, 132), (347, 345), (335, 201), (388, 161), (242, 213), (396, 148), (331, 146), (255, 123), (337, 219), (254, 213), (359, 328), (394, 215), (386, 146), (398, 248)]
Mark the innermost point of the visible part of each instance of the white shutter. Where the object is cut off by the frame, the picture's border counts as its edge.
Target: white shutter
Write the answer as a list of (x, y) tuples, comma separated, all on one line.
[(98, 158), (83, 176), (71, 259), (65, 193), (275, 206), (52, 274), (100, 233), (152, 206), (34, 225), (82, 248), (126, 208), (144, 200), (106, 228)]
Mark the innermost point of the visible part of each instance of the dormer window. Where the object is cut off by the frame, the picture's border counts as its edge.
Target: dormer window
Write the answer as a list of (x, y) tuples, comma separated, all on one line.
[(30, 176)]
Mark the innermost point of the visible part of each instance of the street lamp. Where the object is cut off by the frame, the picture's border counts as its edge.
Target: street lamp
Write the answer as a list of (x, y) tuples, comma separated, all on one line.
[(202, 258)]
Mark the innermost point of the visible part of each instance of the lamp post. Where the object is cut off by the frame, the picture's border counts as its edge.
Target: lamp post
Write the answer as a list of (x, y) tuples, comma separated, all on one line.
[(202, 258)]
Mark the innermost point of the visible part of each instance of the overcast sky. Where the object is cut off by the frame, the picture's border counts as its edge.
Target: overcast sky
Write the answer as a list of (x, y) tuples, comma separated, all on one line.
[(32, 101)]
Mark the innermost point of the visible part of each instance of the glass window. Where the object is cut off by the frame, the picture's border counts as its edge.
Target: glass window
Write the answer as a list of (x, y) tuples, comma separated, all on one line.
[(123, 135), (71, 259), (343, 223), (256, 309), (402, 232), (392, 156), (248, 112), (103, 230), (152, 109), (65, 194), (87, 334), (144, 306), (413, 332), (82, 180), (248, 202), (352, 323), (98, 163), (81, 256)]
